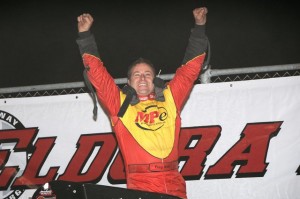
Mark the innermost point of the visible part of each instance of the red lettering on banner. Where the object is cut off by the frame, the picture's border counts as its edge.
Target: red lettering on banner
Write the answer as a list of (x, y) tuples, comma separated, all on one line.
[(7, 173), (195, 156), (249, 152), (23, 139), (30, 176), (85, 147), (116, 174), (195, 145)]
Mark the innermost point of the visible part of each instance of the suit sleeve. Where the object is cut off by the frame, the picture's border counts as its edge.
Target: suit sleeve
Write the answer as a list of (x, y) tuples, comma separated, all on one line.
[(107, 91), (185, 76)]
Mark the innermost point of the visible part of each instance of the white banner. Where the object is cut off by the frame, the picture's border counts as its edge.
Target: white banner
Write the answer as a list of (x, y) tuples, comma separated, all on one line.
[(238, 140)]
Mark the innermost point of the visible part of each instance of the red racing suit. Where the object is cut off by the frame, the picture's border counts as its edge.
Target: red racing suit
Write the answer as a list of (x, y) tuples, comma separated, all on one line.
[(148, 133)]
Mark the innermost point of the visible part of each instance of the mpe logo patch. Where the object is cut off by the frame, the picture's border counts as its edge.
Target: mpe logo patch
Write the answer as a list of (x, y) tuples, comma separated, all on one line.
[(152, 118)]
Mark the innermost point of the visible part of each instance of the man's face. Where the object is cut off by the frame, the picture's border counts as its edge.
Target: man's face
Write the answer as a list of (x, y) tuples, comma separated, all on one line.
[(141, 79)]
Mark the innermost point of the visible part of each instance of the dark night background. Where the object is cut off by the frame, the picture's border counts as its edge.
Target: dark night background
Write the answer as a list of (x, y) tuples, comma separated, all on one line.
[(37, 41)]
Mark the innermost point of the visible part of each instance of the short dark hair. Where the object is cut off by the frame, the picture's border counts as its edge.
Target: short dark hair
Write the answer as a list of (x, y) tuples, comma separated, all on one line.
[(140, 61)]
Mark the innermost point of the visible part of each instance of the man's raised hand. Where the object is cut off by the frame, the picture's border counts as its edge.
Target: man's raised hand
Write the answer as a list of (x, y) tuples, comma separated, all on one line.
[(85, 22), (200, 15)]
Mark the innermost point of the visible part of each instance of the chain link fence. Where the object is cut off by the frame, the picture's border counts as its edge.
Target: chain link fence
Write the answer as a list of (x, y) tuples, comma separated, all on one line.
[(207, 76)]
